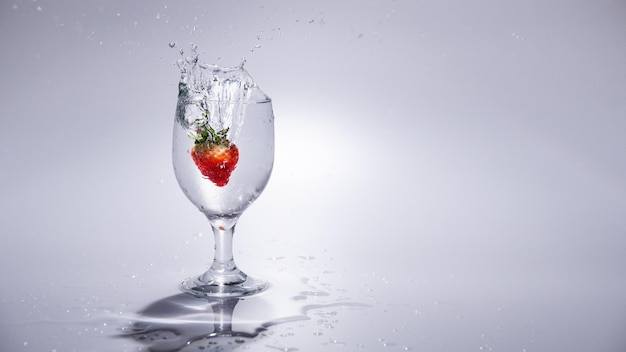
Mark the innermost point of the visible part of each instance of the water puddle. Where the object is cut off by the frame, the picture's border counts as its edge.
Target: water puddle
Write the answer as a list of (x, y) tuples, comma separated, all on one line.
[(183, 322)]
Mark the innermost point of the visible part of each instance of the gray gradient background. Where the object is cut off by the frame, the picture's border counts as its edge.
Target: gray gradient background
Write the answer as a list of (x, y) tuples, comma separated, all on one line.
[(463, 159)]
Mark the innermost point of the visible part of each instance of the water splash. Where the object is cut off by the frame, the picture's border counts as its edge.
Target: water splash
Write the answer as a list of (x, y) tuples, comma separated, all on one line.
[(212, 94)]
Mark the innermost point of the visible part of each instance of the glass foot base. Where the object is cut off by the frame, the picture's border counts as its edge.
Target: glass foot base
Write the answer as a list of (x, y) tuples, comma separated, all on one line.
[(196, 287)]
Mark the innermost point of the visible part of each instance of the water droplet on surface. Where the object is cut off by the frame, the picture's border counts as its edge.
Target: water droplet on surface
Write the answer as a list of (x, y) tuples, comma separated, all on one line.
[(314, 293), (336, 342), (284, 349)]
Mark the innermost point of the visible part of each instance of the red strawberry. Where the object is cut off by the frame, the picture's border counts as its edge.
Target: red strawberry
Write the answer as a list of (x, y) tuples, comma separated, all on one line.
[(214, 155)]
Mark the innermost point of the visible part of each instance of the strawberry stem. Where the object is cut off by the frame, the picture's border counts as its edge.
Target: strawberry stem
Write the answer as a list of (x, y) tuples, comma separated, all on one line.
[(205, 134)]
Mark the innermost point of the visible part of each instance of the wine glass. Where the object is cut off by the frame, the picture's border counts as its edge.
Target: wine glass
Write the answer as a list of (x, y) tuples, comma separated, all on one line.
[(223, 153)]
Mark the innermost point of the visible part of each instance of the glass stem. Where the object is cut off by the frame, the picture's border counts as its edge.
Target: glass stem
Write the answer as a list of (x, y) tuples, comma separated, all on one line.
[(223, 270)]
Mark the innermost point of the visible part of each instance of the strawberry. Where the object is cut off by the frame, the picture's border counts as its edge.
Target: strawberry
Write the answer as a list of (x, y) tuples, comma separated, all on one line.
[(215, 156)]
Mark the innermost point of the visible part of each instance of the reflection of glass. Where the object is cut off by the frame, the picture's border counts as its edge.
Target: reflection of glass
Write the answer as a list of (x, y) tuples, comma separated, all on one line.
[(176, 322), (223, 152), (183, 322)]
